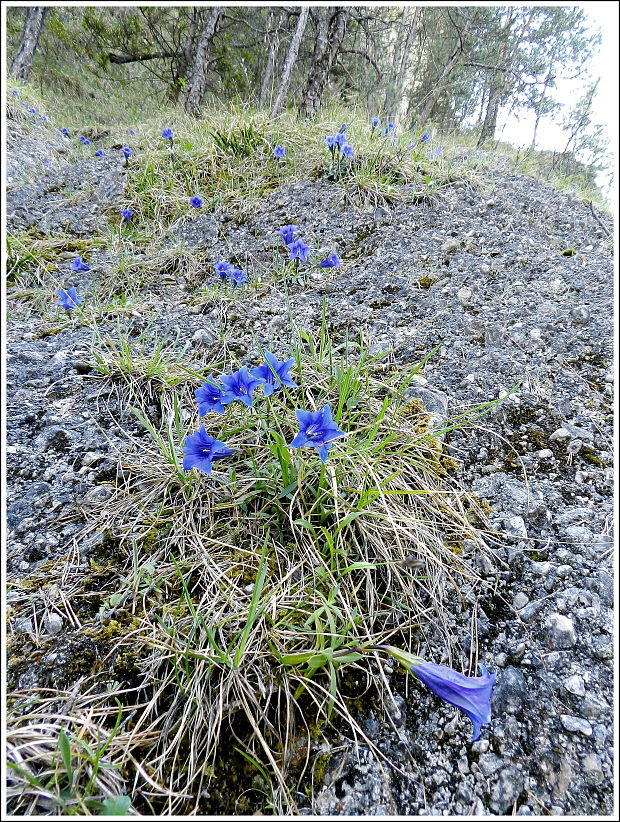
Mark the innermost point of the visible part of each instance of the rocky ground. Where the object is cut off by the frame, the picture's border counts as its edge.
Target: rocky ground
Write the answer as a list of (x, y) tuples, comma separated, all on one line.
[(513, 281)]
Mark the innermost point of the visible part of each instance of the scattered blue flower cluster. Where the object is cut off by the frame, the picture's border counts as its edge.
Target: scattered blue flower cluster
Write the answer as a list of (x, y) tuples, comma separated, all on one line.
[(227, 271), (127, 214), (79, 265), (339, 141), (84, 140), (68, 299), (317, 429), (298, 250)]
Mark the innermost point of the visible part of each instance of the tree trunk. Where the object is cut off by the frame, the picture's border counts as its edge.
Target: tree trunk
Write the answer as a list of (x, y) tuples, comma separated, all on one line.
[(330, 34), (498, 84), (20, 68), (404, 63), (291, 56), (265, 89), (441, 84), (198, 76), (388, 102)]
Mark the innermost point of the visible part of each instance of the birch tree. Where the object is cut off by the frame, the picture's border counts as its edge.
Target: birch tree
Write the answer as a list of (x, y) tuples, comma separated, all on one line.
[(198, 77), (33, 23), (330, 34), (291, 56)]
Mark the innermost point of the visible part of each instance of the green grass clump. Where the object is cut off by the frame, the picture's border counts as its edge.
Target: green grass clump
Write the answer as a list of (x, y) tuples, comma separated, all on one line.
[(264, 578)]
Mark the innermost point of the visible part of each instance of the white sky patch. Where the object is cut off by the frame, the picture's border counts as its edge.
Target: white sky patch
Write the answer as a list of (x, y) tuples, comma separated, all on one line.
[(518, 127)]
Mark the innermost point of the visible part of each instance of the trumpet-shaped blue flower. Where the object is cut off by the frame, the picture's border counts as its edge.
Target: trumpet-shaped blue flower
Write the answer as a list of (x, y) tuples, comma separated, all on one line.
[(238, 276), (79, 265), (65, 131), (287, 232), (471, 694), (347, 151), (68, 299), (331, 261), (90, 116), (132, 132), (239, 386), (44, 118), (375, 122), (317, 429), (167, 134), (201, 450), (340, 139), (437, 152), (274, 373), (209, 397), (15, 92), (342, 128), (196, 201), (223, 269), (127, 152), (84, 140), (426, 137), (330, 142), (100, 153), (411, 146), (390, 127), (279, 152), (127, 214), (299, 251)]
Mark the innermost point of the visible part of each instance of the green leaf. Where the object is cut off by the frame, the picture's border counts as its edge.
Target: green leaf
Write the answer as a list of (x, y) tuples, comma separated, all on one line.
[(115, 806), (64, 746)]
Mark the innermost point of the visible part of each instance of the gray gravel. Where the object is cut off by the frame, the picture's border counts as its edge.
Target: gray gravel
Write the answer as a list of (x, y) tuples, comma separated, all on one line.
[(478, 272)]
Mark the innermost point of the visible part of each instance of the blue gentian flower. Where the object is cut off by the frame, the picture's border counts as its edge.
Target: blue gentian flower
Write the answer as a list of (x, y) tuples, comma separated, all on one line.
[(33, 111), (347, 151), (127, 214), (390, 127), (239, 386), (330, 142), (340, 139), (44, 118), (196, 201), (238, 276), (84, 140), (287, 233), (223, 269), (471, 694), (79, 265), (167, 134), (342, 128), (100, 153), (437, 151), (127, 152), (274, 373), (209, 397), (279, 152), (201, 450), (132, 132), (332, 261), (65, 131), (375, 122), (69, 299), (317, 430), (15, 92), (411, 146), (426, 137), (384, 132), (90, 116), (299, 251)]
